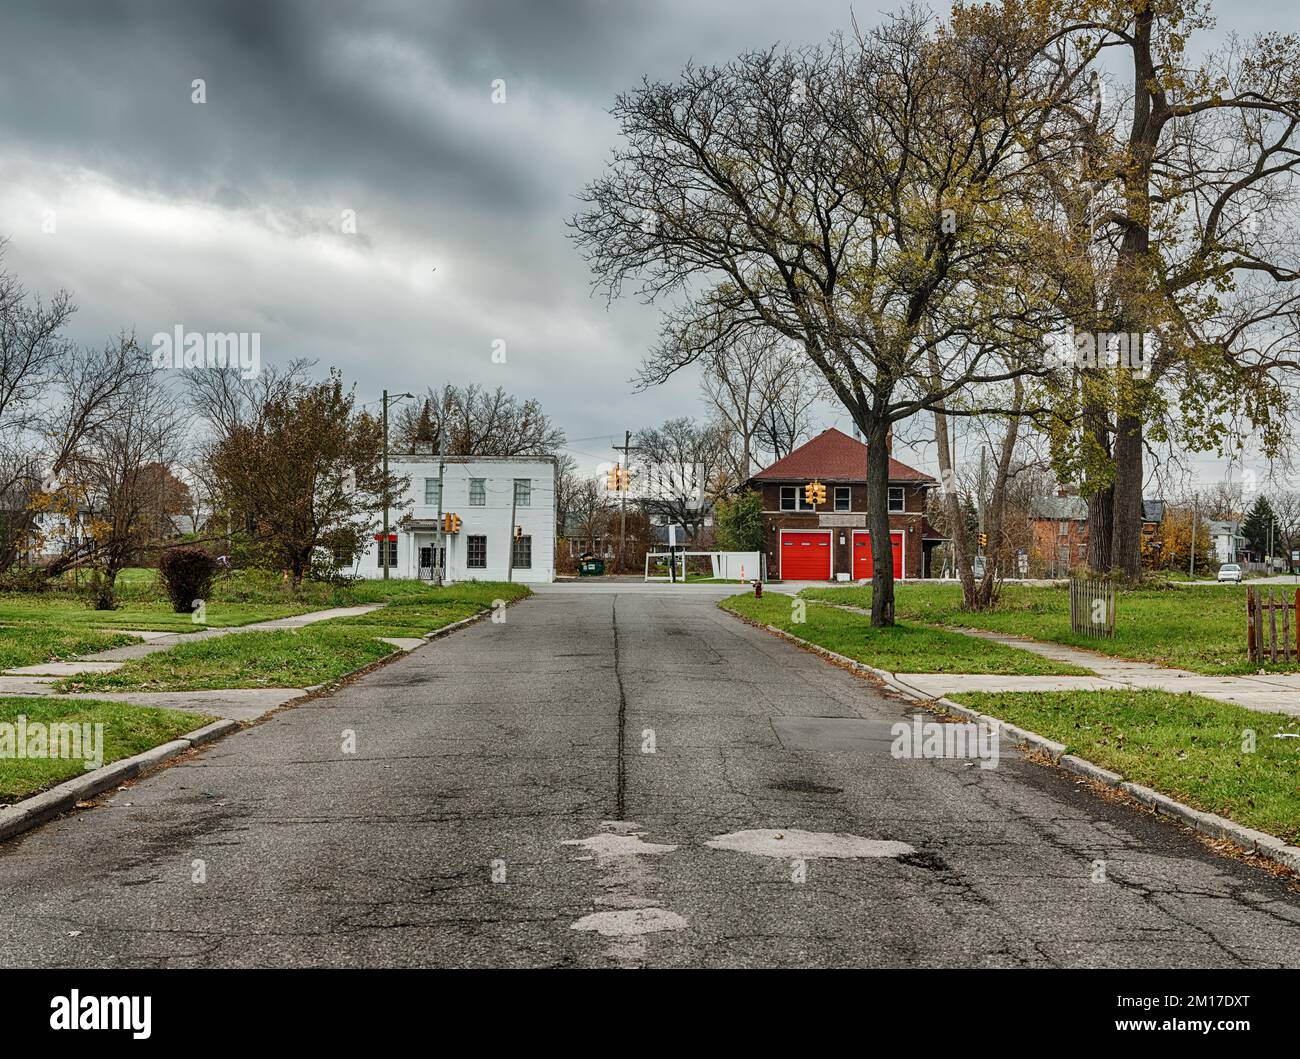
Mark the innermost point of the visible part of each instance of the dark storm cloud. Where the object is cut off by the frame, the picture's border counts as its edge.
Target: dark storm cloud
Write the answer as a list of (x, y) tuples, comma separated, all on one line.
[(226, 215)]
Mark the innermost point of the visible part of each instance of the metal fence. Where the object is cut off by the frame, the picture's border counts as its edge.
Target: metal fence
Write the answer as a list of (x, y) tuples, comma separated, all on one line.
[(1263, 609), (1092, 606)]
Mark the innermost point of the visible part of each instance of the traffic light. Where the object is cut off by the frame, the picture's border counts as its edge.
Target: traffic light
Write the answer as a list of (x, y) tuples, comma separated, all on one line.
[(821, 493), (617, 478), (814, 493), (519, 532), (450, 522), (984, 540), (455, 523)]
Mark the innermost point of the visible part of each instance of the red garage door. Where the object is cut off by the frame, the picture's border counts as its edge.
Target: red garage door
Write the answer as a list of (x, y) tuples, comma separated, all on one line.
[(806, 556), (862, 554)]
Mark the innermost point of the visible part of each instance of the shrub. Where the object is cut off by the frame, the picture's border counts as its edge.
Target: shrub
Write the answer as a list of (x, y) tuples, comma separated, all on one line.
[(738, 522), (187, 573)]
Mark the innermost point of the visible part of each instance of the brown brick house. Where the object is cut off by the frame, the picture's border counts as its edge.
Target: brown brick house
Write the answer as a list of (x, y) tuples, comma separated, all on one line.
[(831, 541)]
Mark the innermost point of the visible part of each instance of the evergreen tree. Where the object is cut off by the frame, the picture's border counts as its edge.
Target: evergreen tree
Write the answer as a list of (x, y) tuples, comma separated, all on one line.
[(1255, 528)]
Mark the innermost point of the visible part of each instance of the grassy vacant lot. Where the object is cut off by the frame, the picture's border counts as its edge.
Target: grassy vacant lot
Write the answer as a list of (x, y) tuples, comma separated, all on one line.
[(1202, 629), (904, 648), (281, 658), (1186, 746), (59, 624), (296, 658), (30, 643), (70, 612), (127, 730)]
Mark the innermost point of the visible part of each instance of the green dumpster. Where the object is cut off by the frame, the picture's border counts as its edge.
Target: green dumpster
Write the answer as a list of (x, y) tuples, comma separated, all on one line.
[(591, 567)]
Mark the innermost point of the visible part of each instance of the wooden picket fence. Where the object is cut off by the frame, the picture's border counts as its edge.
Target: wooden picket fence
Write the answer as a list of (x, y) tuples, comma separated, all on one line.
[(1262, 610), (1092, 607)]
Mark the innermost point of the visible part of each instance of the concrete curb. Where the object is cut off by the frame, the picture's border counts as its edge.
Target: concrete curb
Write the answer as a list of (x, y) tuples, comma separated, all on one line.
[(36, 810), (1270, 847), (438, 633)]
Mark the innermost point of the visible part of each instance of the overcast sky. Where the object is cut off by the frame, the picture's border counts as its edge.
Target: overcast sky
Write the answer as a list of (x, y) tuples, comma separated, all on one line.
[(228, 215)]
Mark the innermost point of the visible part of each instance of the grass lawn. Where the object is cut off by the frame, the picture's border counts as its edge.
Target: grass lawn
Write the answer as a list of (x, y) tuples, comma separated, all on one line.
[(27, 644), (296, 658), (127, 730), (1201, 629), (409, 619), (280, 658), (70, 612), (1185, 746), (904, 648)]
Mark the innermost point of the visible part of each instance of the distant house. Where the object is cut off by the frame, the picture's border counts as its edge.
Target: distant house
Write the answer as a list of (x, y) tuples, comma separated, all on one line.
[(1059, 531), (825, 542), (484, 492), (1059, 528), (1226, 540), (1153, 513)]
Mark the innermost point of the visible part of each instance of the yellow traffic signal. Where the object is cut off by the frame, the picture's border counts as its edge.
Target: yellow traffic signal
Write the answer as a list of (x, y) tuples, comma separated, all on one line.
[(821, 493), (455, 523), (984, 540), (617, 478), (814, 493), (519, 532), (450, 522)]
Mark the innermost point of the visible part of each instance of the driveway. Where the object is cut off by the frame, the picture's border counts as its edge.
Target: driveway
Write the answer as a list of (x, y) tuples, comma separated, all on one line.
[(502, 807)]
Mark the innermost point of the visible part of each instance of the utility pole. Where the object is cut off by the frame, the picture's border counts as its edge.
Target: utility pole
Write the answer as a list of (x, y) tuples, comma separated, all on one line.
[(440, 560), (383, 545), (624, 480)]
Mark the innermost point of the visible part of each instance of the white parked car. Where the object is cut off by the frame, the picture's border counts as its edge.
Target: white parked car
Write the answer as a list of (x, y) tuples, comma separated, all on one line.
[(1230, 572)]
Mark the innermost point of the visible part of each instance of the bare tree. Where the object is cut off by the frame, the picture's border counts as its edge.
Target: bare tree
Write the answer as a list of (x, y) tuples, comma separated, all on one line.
[(856, 199), (116, 472), (676, 470), (477, 422)]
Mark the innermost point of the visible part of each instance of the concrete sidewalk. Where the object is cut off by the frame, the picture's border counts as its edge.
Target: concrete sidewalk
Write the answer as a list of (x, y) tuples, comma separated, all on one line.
[(1269, 693)]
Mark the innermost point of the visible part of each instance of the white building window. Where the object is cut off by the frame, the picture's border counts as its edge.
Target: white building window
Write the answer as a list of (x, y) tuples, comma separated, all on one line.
[(522, 559), (843, 498), (477, 492), (431, 492), (523, 492), (896, 498)]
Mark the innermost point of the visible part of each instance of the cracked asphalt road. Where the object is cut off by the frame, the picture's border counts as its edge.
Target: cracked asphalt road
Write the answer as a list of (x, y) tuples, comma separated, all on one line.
[(485, 752)]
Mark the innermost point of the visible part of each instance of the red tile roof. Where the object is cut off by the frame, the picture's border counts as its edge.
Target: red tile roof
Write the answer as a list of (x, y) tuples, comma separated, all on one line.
[(833, 456)]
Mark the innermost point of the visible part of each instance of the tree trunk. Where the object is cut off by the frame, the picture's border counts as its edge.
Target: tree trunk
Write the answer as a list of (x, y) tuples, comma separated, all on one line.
[(952, 509), (882, 553), (1101, 522), (1126, 532)]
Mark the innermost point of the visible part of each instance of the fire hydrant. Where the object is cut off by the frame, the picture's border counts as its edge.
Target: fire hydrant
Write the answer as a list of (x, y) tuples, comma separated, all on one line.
[(758, 589)]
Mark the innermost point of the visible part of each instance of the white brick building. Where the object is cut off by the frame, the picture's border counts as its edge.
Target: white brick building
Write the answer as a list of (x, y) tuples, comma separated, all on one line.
[(479, 489)]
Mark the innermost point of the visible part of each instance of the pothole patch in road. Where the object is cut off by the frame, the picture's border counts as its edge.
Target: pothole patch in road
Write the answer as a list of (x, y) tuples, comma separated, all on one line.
[(791, 842), (621, 838), (631, 922)]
